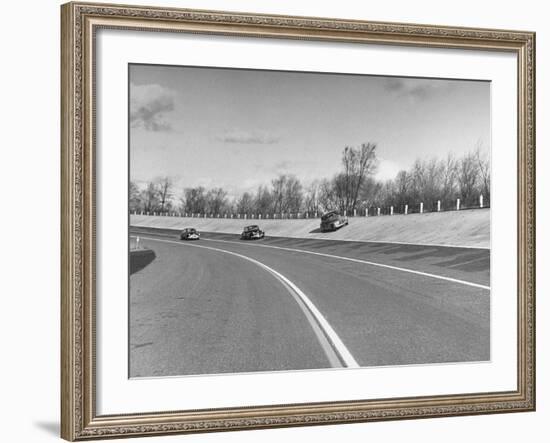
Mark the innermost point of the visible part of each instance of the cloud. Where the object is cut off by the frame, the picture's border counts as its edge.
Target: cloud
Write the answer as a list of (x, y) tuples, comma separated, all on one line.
[(148, 106), (387, 169), (283, 165), (415, 89), (249, 137)]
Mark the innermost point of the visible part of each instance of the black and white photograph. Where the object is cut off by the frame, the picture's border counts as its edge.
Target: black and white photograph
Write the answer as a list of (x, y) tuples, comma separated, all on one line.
[(284, 221)]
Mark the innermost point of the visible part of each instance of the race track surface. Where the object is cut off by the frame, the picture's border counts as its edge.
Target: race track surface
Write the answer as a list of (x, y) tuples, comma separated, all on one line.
[(223, 305)]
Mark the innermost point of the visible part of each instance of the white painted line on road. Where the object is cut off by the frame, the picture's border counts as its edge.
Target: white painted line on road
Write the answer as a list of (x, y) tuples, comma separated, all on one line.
[(335, 343), (357, 260)]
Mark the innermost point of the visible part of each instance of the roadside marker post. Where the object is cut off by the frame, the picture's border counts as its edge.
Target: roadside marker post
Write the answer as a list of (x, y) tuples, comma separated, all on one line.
[(458, 204), (481, 200), (406, 209), (378, 211), (438, 205), (421, 207), (391, 210)]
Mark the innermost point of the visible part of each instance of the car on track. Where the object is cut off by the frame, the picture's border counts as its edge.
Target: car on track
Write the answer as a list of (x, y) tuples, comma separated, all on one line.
[(252, 232), (190, 234), (332, 220)]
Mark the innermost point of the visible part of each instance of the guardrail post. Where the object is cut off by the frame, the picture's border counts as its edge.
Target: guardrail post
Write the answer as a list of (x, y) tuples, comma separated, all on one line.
[(481, 200), (391, 210), (458, 204), (406, 209), (438, 205), (378, 211), (421, 207)]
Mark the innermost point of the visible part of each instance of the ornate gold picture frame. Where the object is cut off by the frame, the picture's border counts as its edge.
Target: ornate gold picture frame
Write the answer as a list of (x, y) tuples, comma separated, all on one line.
[(80, 23)]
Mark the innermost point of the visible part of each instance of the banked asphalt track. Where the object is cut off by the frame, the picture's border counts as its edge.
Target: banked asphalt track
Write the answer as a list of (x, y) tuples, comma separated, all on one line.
[(223, 305)]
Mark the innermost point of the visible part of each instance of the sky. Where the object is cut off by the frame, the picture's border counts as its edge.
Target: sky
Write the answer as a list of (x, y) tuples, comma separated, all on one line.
[(239, 129)]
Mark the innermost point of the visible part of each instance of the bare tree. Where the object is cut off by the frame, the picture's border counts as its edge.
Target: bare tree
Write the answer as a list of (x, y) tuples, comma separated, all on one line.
[(369, 193), (354, 187), (195, 200), (311, 198), (449, 175), (358, 164), (327, 196), (164, 185), (245, 204), (468, 175), (387, 193), (426, 181), (263, 201), (400, 189), (286, 193), (293, 194), (134, 197), (341, 191), (149, 197), (278, 193), (216, 200)]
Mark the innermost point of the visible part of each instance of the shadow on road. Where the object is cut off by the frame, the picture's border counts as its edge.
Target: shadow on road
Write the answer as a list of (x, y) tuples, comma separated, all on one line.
[(140, 258)]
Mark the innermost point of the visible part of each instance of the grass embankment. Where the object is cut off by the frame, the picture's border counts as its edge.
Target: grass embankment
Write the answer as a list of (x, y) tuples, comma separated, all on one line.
[(454, 228)]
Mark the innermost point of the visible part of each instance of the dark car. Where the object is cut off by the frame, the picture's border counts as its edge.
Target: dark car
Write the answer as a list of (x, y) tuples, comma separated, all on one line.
[(331, 221), (190, 234), (252, 232)]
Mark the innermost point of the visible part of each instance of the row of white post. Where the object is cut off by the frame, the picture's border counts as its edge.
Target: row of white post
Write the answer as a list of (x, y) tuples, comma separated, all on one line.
[(282, 215)]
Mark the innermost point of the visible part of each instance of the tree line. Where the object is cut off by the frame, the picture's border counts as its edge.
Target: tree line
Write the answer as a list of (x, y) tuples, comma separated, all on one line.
[(354, 188)]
